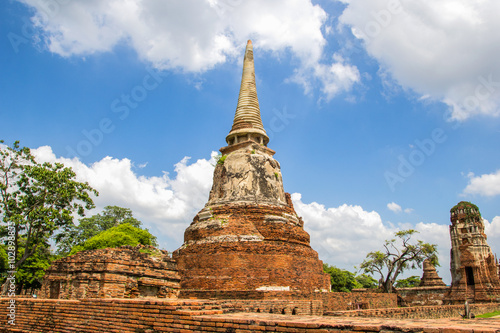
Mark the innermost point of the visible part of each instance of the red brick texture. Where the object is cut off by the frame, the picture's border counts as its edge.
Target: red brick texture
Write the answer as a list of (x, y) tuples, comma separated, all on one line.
[(328, 301), (422, 296), (434, 312), (126, 271), (250, 247), (186, 316), (473, 266)]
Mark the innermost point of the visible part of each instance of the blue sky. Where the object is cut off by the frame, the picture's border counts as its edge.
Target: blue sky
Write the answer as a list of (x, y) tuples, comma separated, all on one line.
[(383, 114)]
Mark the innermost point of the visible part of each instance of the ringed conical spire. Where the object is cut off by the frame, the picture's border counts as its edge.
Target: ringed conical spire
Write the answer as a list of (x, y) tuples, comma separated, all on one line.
[(247, 124)]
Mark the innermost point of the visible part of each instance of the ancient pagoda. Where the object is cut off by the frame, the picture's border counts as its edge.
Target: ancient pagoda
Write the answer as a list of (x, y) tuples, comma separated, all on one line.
[(248, 237), (473, 265), (430, 277)]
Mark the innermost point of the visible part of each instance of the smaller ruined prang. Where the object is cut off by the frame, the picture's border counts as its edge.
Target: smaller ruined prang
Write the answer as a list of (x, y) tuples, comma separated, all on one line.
[(474, 269)]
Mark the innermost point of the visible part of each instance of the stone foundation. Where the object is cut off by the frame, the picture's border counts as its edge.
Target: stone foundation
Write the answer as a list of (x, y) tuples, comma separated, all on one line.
[(124, 272)]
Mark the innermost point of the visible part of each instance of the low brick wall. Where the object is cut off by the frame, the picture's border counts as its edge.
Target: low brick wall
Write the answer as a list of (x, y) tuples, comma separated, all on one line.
[(358, 300), (332, 301), (187, 316), (288, 307), (435, 312), (422, 296)]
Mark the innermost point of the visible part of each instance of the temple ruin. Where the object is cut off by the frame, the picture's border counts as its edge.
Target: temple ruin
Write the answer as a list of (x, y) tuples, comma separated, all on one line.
[(474, 269), (248, 236), (246, 251), (123, 272), (430, 277)]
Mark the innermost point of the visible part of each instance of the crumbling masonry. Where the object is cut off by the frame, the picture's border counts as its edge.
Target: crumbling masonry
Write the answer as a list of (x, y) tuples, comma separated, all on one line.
[(248, 236)]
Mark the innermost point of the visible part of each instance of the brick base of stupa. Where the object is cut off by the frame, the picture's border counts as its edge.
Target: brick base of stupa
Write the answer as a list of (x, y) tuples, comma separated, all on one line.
[(245, 247)]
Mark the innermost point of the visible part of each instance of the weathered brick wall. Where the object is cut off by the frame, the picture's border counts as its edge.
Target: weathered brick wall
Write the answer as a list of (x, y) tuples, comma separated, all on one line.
[(332, 301), (101, 315), (422, 296), (186, 316), (248, 294), (445, 311), (127, 271), (288, 307), (358, 300)]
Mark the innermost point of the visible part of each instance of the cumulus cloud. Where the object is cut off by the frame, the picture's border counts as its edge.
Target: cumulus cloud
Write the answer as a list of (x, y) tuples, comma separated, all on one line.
[(344, 235), (394, 207), (195, 36), (163, 203), (445, 50), (492, 230), (486, 185)]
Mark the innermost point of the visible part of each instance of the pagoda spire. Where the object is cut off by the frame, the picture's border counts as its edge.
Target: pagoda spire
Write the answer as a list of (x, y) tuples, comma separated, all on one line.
[(247, 123)]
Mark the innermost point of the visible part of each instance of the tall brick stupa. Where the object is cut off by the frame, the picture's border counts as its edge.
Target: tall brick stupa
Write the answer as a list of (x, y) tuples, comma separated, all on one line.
[(248, 236), (473, 266)]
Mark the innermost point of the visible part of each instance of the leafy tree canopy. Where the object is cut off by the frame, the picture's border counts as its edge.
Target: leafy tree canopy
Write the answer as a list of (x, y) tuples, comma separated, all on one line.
[(399, 254), (412, 281), (123, 234), (36, 201), (89, 227), (367, 281), (341, 279), (30, 275)]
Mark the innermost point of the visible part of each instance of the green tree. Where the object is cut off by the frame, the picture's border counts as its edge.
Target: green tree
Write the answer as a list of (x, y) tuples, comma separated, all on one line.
[(341, 279), (367, 281), (412, 281), (36, 200), (4, 263), (89, 227), (30, 275), (123, 234), (400, 253)]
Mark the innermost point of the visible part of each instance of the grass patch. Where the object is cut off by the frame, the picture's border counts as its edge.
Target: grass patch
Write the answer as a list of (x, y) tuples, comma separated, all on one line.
[(220, 159), (489, 315), (152, 252)]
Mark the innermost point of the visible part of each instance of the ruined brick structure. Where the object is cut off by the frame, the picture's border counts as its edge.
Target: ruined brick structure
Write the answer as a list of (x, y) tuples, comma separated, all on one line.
[(123, 272), (473, 266), (248, 236), (431, 291), (430, 278)]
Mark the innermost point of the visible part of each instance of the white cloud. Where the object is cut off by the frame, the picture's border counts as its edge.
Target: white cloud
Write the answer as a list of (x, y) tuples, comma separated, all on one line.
[(164, 204), (486, 185), (194, 35), (394, 207), (398, 209), (344, 235), (334, 78), (492, 230), (446, 50)]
